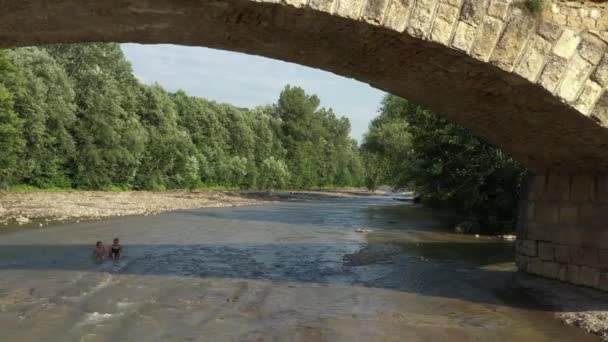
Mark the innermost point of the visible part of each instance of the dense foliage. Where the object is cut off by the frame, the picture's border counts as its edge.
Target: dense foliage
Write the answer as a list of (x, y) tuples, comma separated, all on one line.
[(408, 146), (75, 116)]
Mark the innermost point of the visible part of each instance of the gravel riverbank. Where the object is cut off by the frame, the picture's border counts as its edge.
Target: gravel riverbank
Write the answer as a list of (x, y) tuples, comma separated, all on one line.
[(41, 208)]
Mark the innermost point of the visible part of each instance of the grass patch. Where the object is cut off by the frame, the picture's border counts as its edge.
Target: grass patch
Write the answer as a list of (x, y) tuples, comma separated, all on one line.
[(117, 188), (31, 188), (215, 187), (535, 6)]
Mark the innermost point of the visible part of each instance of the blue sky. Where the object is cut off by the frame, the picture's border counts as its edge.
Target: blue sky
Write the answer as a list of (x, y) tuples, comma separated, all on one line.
[(248, 81)]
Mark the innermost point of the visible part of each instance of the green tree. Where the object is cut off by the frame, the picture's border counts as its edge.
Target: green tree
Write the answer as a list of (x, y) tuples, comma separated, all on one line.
[(11, 141), (108, 134), (169, 159), (445, 163), (44, 100)]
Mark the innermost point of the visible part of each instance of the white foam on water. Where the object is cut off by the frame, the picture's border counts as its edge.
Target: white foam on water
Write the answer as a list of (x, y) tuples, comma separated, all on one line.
[(96, 318), (104, 283), (124, 304)]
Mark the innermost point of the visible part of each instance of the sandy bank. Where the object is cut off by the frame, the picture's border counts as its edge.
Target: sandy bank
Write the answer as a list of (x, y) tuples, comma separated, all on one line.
[(41, 208), (574, 305), (47, 207)]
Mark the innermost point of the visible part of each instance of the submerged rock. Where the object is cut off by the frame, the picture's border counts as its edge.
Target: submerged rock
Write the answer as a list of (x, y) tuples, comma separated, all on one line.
[(22, 220)]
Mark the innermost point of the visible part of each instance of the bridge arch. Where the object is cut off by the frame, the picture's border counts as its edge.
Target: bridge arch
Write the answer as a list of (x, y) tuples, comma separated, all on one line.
[(526, 83), (523, 83)]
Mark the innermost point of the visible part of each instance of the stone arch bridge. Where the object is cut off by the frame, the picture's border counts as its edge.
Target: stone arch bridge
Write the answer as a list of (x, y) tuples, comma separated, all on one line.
[(533, 84)]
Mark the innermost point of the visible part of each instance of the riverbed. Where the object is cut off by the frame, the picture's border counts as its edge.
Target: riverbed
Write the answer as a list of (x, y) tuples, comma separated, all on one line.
[(288, 271)]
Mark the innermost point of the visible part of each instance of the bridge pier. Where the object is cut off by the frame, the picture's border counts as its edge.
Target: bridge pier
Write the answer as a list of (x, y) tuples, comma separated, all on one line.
[(563, 228)]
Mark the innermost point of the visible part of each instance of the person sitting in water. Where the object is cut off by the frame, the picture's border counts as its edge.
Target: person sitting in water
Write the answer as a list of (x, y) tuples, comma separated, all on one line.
[(115, 249), (100, 251)]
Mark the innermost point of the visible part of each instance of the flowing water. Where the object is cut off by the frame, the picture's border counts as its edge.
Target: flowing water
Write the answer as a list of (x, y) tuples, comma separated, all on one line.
[(273, 272)]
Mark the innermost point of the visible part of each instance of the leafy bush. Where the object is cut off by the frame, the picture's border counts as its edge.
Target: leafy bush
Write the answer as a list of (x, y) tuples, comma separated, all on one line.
[(535, 6), (449, 166)]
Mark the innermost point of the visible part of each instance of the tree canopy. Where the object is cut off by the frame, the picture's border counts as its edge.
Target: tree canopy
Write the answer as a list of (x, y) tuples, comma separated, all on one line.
[(76, 116), (408, 146)]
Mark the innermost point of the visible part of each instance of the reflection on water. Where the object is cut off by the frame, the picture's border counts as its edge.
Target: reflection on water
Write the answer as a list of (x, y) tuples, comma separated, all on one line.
[(268, 273)]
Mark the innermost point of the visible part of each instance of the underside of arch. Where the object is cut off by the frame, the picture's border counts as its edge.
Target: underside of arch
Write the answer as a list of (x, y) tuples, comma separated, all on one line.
[(526, 121)]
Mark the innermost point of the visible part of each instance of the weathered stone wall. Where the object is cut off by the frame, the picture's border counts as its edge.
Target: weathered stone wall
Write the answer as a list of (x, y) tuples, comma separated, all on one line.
[(563, 232), (578, 15)]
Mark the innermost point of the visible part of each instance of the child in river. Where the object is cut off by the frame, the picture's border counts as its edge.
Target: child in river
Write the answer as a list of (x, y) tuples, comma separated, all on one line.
[(115, 249), (100, 251)]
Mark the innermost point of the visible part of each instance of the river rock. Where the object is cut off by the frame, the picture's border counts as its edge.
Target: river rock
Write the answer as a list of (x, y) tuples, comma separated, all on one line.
[(22, 220)]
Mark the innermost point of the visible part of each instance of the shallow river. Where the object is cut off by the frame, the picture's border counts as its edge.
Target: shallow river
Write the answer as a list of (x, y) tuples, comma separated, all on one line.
[(267, 273)]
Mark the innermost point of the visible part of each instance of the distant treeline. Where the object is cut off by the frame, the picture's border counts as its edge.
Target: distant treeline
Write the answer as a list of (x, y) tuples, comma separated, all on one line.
[(75, 116)]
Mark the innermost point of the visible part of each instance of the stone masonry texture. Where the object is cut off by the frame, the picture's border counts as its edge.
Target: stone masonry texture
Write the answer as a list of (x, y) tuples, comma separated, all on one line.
[(563, 228)]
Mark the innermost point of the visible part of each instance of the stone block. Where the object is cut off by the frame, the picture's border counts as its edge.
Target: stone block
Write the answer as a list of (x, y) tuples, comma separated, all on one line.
[(397, 14), (421, 18), (499, 8), (600, 75), (588, 97), (589, 23), (562, 273), (487, 36), (600, 222), (589, 276), (589, 212), (568, 213), (529, 212), (603, 281), (297, 3), (536, 186), (321, 5), (550, 31), (602, 188), (558, 187), (550, 269), (603, 258), (574, 78), (445, 20), (572, 274), (535, 266), (546, 212), (464, 36), (562, 253), (473, 11), (574, 22), (592, 49), (511, 43), (521, 261), (541, 231), (566, 45), (373, 11), (527, 247), (348, 8), (584, 256), (546, 251), (551, 74), (600, 112), (566, 235), (582, 188), (533, 58), (560, 19)]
